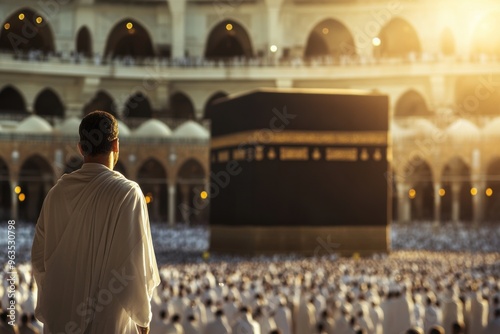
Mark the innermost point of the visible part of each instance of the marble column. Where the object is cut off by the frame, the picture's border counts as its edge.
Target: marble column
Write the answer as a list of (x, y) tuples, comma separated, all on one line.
[(404, 205), (13, 196), (186, 207), (274, 34), (172, 193), (478, 202), (178, 12), (156, 203), (455, 200), (437, 203)]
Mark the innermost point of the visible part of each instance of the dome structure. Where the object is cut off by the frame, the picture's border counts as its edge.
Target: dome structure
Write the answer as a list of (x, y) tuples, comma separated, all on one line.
[(153, 128), (191, 129), (399, 132), (462, 130), (424, 127), (123, 129), (34, 125), (69, 127), (492, 129)]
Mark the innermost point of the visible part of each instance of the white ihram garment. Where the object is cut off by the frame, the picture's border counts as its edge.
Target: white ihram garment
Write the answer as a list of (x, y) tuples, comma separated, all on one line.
[(92, 256)]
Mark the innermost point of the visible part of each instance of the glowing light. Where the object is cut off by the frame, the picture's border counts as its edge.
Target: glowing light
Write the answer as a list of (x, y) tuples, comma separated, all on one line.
[(229, 27), (376, 41), (129, 25), (442, 192), (412, 193), (21, 16), (473, 191), (39, 20), (6, 26), (325, 31), (489, 192), (148, 198), (204, 195), (273, 48), (17, 189), (22, 197), (206, 255)]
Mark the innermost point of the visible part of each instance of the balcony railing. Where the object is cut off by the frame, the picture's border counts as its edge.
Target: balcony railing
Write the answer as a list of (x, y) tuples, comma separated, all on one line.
[(271, 60)]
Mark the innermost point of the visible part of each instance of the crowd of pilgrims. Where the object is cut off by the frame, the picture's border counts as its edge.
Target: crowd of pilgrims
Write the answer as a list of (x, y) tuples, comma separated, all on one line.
[(404, 292)]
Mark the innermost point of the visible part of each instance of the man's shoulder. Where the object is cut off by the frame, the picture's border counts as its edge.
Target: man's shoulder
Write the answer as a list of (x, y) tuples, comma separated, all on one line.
[(123, 184)]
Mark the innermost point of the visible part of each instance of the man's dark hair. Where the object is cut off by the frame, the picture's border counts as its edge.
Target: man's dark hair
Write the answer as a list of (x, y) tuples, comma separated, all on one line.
[(3, 316), (97, 131), (436, 330), (457, 328)]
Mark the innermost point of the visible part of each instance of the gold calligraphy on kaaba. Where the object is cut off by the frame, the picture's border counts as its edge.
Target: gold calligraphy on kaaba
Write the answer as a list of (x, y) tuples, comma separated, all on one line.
[(299, 153), (341, 154), (294, 153), (301, 145), (352, 138), (223, 156), (239, 154)]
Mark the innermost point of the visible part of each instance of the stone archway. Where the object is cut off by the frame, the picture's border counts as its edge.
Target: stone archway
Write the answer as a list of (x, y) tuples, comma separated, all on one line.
[(330, 38), (398, 38), (129, 38), (191, 193), (228, 39), (13, 38), (36, 177), (152, 178), (48, 103)]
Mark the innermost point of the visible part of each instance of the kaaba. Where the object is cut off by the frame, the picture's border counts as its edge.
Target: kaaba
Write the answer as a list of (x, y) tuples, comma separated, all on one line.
[(300, 171)]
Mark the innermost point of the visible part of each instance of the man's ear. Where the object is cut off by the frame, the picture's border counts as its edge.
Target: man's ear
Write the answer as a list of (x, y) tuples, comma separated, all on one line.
[(80, 148), (115, 145)]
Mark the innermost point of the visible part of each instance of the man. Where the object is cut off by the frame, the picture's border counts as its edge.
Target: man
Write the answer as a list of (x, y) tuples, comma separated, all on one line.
[(494, 324), (159, 324), (219, 325), (26, 327), (5, 327), (92, 255), (479, 312), (246, 324), (452, 309), (431, 316)]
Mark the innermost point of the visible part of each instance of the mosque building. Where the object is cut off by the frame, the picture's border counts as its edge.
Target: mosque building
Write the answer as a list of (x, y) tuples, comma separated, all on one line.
[(158, 65)]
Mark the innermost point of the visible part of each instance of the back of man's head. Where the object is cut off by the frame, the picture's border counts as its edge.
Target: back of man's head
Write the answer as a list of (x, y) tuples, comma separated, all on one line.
[(457, 328), (436, 330), (3, 317), (176, 318), (97, 131)]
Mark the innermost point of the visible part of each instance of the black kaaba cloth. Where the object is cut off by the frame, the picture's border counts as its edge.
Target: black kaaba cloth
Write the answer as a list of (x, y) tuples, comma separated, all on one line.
[(300, 158)]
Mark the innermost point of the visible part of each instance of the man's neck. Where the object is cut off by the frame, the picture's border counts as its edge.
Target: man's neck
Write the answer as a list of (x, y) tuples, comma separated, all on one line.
[(103, 159)]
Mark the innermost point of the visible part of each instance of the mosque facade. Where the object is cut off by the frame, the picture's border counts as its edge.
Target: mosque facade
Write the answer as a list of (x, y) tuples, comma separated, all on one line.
[(158, 65)]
